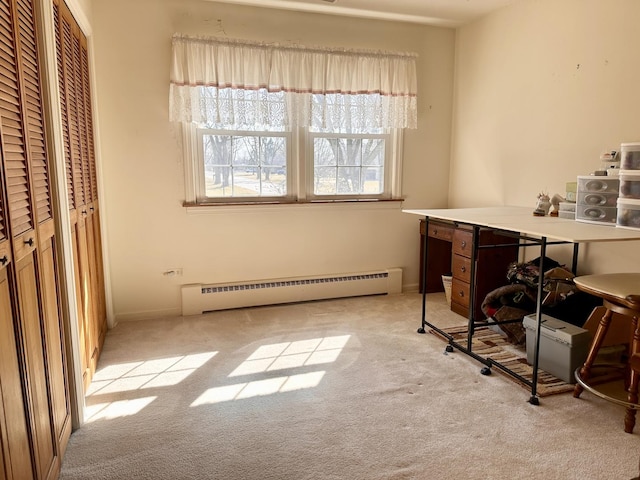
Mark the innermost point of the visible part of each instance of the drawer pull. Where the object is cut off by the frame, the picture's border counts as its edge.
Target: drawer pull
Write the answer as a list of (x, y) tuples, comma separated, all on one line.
[(461, 293), (463, 269), (435, 231), (464, 244), (4, 260), (29, 242)]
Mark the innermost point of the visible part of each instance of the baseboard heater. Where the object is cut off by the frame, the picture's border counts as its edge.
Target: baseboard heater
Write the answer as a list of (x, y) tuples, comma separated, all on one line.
[(199, 298)]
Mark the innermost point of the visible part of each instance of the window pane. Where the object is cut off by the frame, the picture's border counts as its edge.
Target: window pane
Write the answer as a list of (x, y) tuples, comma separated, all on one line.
[(373, 151), (274, 151), (349, 165), (246, 153), (373, 179), (325, 151), (218, 182), (350, 151), (324, 181), (217, 150), (246, 182), (349, 180), (245, 165)]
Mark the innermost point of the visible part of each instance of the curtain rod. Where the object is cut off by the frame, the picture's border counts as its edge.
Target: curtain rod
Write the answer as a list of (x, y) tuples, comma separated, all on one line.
[(315, 49)]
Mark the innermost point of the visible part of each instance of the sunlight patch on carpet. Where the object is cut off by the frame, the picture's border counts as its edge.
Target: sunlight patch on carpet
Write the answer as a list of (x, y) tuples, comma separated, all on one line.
[(258, 388), (277, 357), (160, 372), (121, 408), (281, 356)]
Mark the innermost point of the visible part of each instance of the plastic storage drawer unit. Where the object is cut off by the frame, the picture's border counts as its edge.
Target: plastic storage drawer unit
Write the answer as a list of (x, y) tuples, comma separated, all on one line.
[(630, 156), (590, 183), (563, 347), (630, 184), (567, 210), (599, 199), (595, 214), (628, 213)]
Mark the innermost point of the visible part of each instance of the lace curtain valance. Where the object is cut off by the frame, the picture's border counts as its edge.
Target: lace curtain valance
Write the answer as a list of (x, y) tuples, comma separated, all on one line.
[(232, 82)]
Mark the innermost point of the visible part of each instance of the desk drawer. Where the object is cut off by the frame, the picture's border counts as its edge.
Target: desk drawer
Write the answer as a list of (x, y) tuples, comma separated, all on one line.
[(462, 240), (443, 232), (460, 292), (461, 268)]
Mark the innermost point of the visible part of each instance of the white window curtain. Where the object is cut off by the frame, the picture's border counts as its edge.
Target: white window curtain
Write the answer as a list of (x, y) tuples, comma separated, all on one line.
[(217, 81)]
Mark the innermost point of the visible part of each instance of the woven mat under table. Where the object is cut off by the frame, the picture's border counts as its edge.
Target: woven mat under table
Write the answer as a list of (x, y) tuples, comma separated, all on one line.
[(490, 344)]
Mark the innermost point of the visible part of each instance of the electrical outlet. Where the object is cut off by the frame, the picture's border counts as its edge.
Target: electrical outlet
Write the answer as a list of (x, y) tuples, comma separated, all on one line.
[(173, 272)]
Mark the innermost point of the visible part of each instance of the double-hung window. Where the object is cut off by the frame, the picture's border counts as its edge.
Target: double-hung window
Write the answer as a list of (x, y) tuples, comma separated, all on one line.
[(289, 124)]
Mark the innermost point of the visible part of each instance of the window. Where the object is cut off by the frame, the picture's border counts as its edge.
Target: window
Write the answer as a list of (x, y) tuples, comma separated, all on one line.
[(290, 124), (232, 166)]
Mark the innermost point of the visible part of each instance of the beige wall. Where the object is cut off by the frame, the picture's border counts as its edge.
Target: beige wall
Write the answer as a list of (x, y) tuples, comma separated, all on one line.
[(542, 88), (82, 11), (148, 229)]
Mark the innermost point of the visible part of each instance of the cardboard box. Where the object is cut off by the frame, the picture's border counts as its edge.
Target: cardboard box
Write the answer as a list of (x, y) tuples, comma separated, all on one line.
[(563, 347)]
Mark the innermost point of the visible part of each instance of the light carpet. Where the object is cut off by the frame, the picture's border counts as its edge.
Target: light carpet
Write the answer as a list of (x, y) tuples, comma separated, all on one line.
[(341, 389)]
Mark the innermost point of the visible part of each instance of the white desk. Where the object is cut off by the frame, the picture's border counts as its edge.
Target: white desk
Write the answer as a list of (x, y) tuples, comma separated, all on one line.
[(521, 222)]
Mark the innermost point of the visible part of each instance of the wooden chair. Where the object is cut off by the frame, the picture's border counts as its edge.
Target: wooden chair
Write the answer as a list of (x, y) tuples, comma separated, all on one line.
[(634, 363), (620, 293)]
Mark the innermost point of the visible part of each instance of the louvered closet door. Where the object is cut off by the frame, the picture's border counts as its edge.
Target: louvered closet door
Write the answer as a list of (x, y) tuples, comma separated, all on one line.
[(31, 229), (90, 182), (40, 181), (67, 88), (13, 421), (74, 86), (92, 218), (79, 157), (64, 61), (14, 436), (22, 228)]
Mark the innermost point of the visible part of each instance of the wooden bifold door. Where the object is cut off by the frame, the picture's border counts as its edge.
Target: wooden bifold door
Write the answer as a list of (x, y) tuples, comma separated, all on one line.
[(35, 408), (35, 423), (82, 188)]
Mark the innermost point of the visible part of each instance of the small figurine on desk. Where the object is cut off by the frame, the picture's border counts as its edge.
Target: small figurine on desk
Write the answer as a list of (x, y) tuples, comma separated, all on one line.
[(543, 205), (555, 203)]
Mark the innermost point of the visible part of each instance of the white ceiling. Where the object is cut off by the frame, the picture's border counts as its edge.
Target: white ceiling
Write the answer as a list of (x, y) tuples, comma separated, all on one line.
[(449, 13)]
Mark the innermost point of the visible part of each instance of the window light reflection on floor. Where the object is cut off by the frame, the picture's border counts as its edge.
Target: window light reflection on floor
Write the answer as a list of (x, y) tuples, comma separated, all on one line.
[(160, 372), (120, 408), (280, 356), (259, 388), (274, 357)]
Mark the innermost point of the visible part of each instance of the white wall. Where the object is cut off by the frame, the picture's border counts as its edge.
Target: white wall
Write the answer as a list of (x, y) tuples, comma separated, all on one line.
[(542, 88), (148, 229)]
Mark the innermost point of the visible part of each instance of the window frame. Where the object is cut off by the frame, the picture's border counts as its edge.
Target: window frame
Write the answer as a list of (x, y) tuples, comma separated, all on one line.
[(299, 170)]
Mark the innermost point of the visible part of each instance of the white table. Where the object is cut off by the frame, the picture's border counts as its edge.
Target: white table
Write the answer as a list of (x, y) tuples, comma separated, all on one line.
[(530, 229)]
